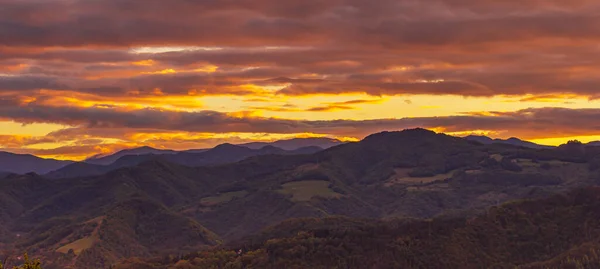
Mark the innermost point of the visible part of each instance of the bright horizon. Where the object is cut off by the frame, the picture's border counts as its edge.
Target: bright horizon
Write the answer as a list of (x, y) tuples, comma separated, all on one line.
[(543, 142)]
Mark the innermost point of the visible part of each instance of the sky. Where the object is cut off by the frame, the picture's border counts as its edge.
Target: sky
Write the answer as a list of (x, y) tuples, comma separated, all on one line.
[(86, 77)]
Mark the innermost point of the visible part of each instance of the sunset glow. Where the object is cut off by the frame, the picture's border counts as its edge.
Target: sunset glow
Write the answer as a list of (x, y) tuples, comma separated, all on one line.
[(70, 89)]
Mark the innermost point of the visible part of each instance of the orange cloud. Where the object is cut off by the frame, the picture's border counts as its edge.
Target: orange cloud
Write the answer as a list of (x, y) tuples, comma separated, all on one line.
[(73, 63)]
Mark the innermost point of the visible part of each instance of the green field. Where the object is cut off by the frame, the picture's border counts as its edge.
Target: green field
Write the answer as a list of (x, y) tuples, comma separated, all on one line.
[(306, 190), (222, 198)]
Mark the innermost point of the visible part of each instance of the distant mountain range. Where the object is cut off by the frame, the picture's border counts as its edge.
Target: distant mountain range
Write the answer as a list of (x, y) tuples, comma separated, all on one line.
[(180, 203), (24, 163), (106, 160), (511, 141), (594, 143), (296, 143), (221, 154)]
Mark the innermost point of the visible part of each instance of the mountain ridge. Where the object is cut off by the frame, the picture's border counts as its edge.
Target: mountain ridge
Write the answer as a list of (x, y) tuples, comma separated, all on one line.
[(510, 141), (408, 174), (296, 143), (109, 159), (26, 163), (221, 154)]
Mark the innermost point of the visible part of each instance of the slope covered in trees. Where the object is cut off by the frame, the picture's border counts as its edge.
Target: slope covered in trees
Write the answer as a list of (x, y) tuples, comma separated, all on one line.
[(562, 231), (158, 207)]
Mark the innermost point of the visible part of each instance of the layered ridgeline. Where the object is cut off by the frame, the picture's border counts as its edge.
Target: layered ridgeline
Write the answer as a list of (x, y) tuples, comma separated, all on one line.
[(158, 207), (221, 154), (11, 163), (24, 163)]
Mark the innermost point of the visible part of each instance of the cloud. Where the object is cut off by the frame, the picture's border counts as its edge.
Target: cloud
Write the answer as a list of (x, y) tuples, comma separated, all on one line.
[(534, 122), (102, 66)]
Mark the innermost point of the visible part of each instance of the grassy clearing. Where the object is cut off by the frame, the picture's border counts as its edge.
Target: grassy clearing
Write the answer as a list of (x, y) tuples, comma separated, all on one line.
[(305, 190), (404, 179), (527, 163), (497, 157), (222, 198), (559, 163), (79, 245), (434, 187), (474, 172)]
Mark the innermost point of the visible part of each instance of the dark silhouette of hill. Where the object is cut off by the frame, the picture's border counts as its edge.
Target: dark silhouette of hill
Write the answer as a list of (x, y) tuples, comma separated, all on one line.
[(594, 144), (288, 145), (511, 141), (221, 154), (107, 160), (561, 231), (25, 163), (297, 143), (409, 174)]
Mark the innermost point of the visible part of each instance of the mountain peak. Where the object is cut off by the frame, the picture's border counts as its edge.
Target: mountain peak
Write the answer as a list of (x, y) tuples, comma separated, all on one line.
[(407, 133), (270, 147), (514, 141), (144, 148), (107, 160), (227, 146), (26, 163), (297, 143)]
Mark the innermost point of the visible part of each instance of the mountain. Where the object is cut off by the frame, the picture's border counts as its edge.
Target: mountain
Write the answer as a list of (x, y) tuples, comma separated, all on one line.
[(228, 153), (594, 143), (131, 212), (288, 145), (296, 143), (511, 141), (81, 169), (390, 175), (561, 231), (24, 163), (221, 154), (107, 160)]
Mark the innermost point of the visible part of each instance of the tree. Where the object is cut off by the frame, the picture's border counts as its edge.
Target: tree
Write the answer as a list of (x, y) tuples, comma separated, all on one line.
[(27, 264)]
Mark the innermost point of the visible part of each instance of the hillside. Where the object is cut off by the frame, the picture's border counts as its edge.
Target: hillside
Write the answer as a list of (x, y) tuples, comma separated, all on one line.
[(24, 163), (557, 232), (222, 154), (511, 141), (413, 173), (107, 160), (297, 143), (287, 145)]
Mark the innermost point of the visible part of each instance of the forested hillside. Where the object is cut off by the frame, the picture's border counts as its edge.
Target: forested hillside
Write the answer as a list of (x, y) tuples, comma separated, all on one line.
[(557, 232), (159, 208)]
